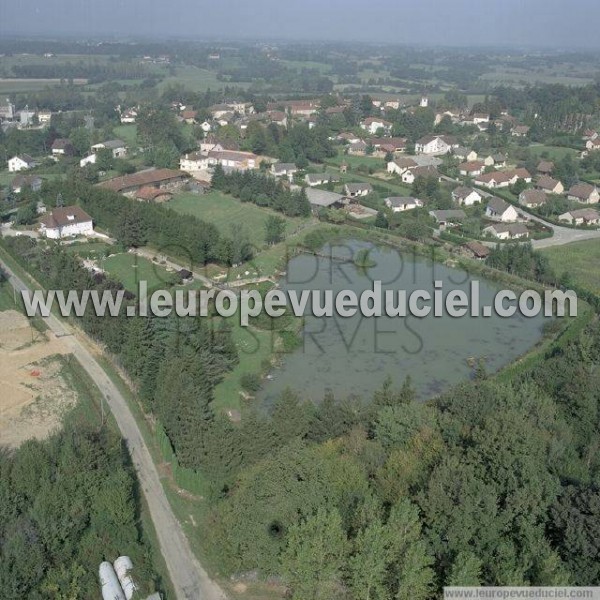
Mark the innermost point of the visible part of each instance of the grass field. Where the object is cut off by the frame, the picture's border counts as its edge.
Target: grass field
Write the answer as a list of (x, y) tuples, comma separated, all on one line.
[(7, 297), (196, 79), (130, 269), (254, 348), (554, 152), (223, 210), (577, 259), (355, 161), (127, 133)]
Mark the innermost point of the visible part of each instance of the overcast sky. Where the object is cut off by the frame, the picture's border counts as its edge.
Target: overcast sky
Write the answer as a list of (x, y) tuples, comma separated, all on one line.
[(552, 23)]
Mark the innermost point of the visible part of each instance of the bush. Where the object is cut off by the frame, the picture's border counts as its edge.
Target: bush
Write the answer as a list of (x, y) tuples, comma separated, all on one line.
[(250, 382)]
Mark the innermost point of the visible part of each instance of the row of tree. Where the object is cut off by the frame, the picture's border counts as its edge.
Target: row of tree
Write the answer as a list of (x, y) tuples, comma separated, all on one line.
[(262, 190)]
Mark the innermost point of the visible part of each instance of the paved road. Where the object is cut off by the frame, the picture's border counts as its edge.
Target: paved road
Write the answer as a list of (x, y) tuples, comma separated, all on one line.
[(562, 235), (189, 578)]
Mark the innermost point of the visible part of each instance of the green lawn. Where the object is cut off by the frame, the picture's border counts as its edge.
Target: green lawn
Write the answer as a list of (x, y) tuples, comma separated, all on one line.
[(354, 161), (130, 269), (579, 260), (554, 152), (127, 133), (223, 210)]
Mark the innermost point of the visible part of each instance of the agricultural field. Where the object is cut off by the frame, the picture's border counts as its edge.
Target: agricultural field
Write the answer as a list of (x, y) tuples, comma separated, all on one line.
[(575, 259), (527, 77), (223, 210), (195, 79)]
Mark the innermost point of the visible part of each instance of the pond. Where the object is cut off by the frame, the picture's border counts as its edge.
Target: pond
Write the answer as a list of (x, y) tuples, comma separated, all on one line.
[(354, 355)]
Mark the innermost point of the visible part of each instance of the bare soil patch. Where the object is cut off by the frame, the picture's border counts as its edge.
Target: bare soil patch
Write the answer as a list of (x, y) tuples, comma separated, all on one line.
[(33, 394)]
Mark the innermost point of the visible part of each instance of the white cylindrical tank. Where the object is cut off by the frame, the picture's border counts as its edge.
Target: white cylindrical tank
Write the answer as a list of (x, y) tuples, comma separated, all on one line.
[(123, 567), (111, 588)]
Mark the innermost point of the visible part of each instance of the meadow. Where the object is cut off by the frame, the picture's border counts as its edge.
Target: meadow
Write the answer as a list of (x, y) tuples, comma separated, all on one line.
[(223, 210), (577, 259)]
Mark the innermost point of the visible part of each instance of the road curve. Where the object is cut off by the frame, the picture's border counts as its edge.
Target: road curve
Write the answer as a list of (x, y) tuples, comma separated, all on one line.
[(189, 579)]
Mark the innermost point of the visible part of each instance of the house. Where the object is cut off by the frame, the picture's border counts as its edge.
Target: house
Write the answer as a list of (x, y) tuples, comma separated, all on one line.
[(129, 185), (480, 118), (66, 221), (502, 179), (401, 203), (520, 130), (500, 210), (205, 126), (584, 193), (314, 179), (128, 116), (20, 162), (499, 160), (298, 108), (7, 110), (466, 196), (593, 144), (410, 175), (392, 145), (44, 117), (88, 160), (582, 216), (435, 145), (374, 124), (477, 250), (520, 173), (399, 165), (488, 160), (151, 194), (21, 182), (507, 232), (358, 148), (62, 147), (347, 136), (194, 161), (545, 167), (532, 198), (549, 185), (212, 142), (354, 190), (189, 116), (465, 154), (219, 110), (235, 160), (471, 168), (444, 218), (284, 170), (117, 147), (323, 199), (278, 117)]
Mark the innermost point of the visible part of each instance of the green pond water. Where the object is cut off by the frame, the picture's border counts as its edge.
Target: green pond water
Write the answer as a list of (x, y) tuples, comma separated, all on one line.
[(354, 355)]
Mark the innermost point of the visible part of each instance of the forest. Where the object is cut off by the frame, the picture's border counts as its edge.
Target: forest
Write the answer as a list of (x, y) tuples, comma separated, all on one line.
[(66, 504)]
